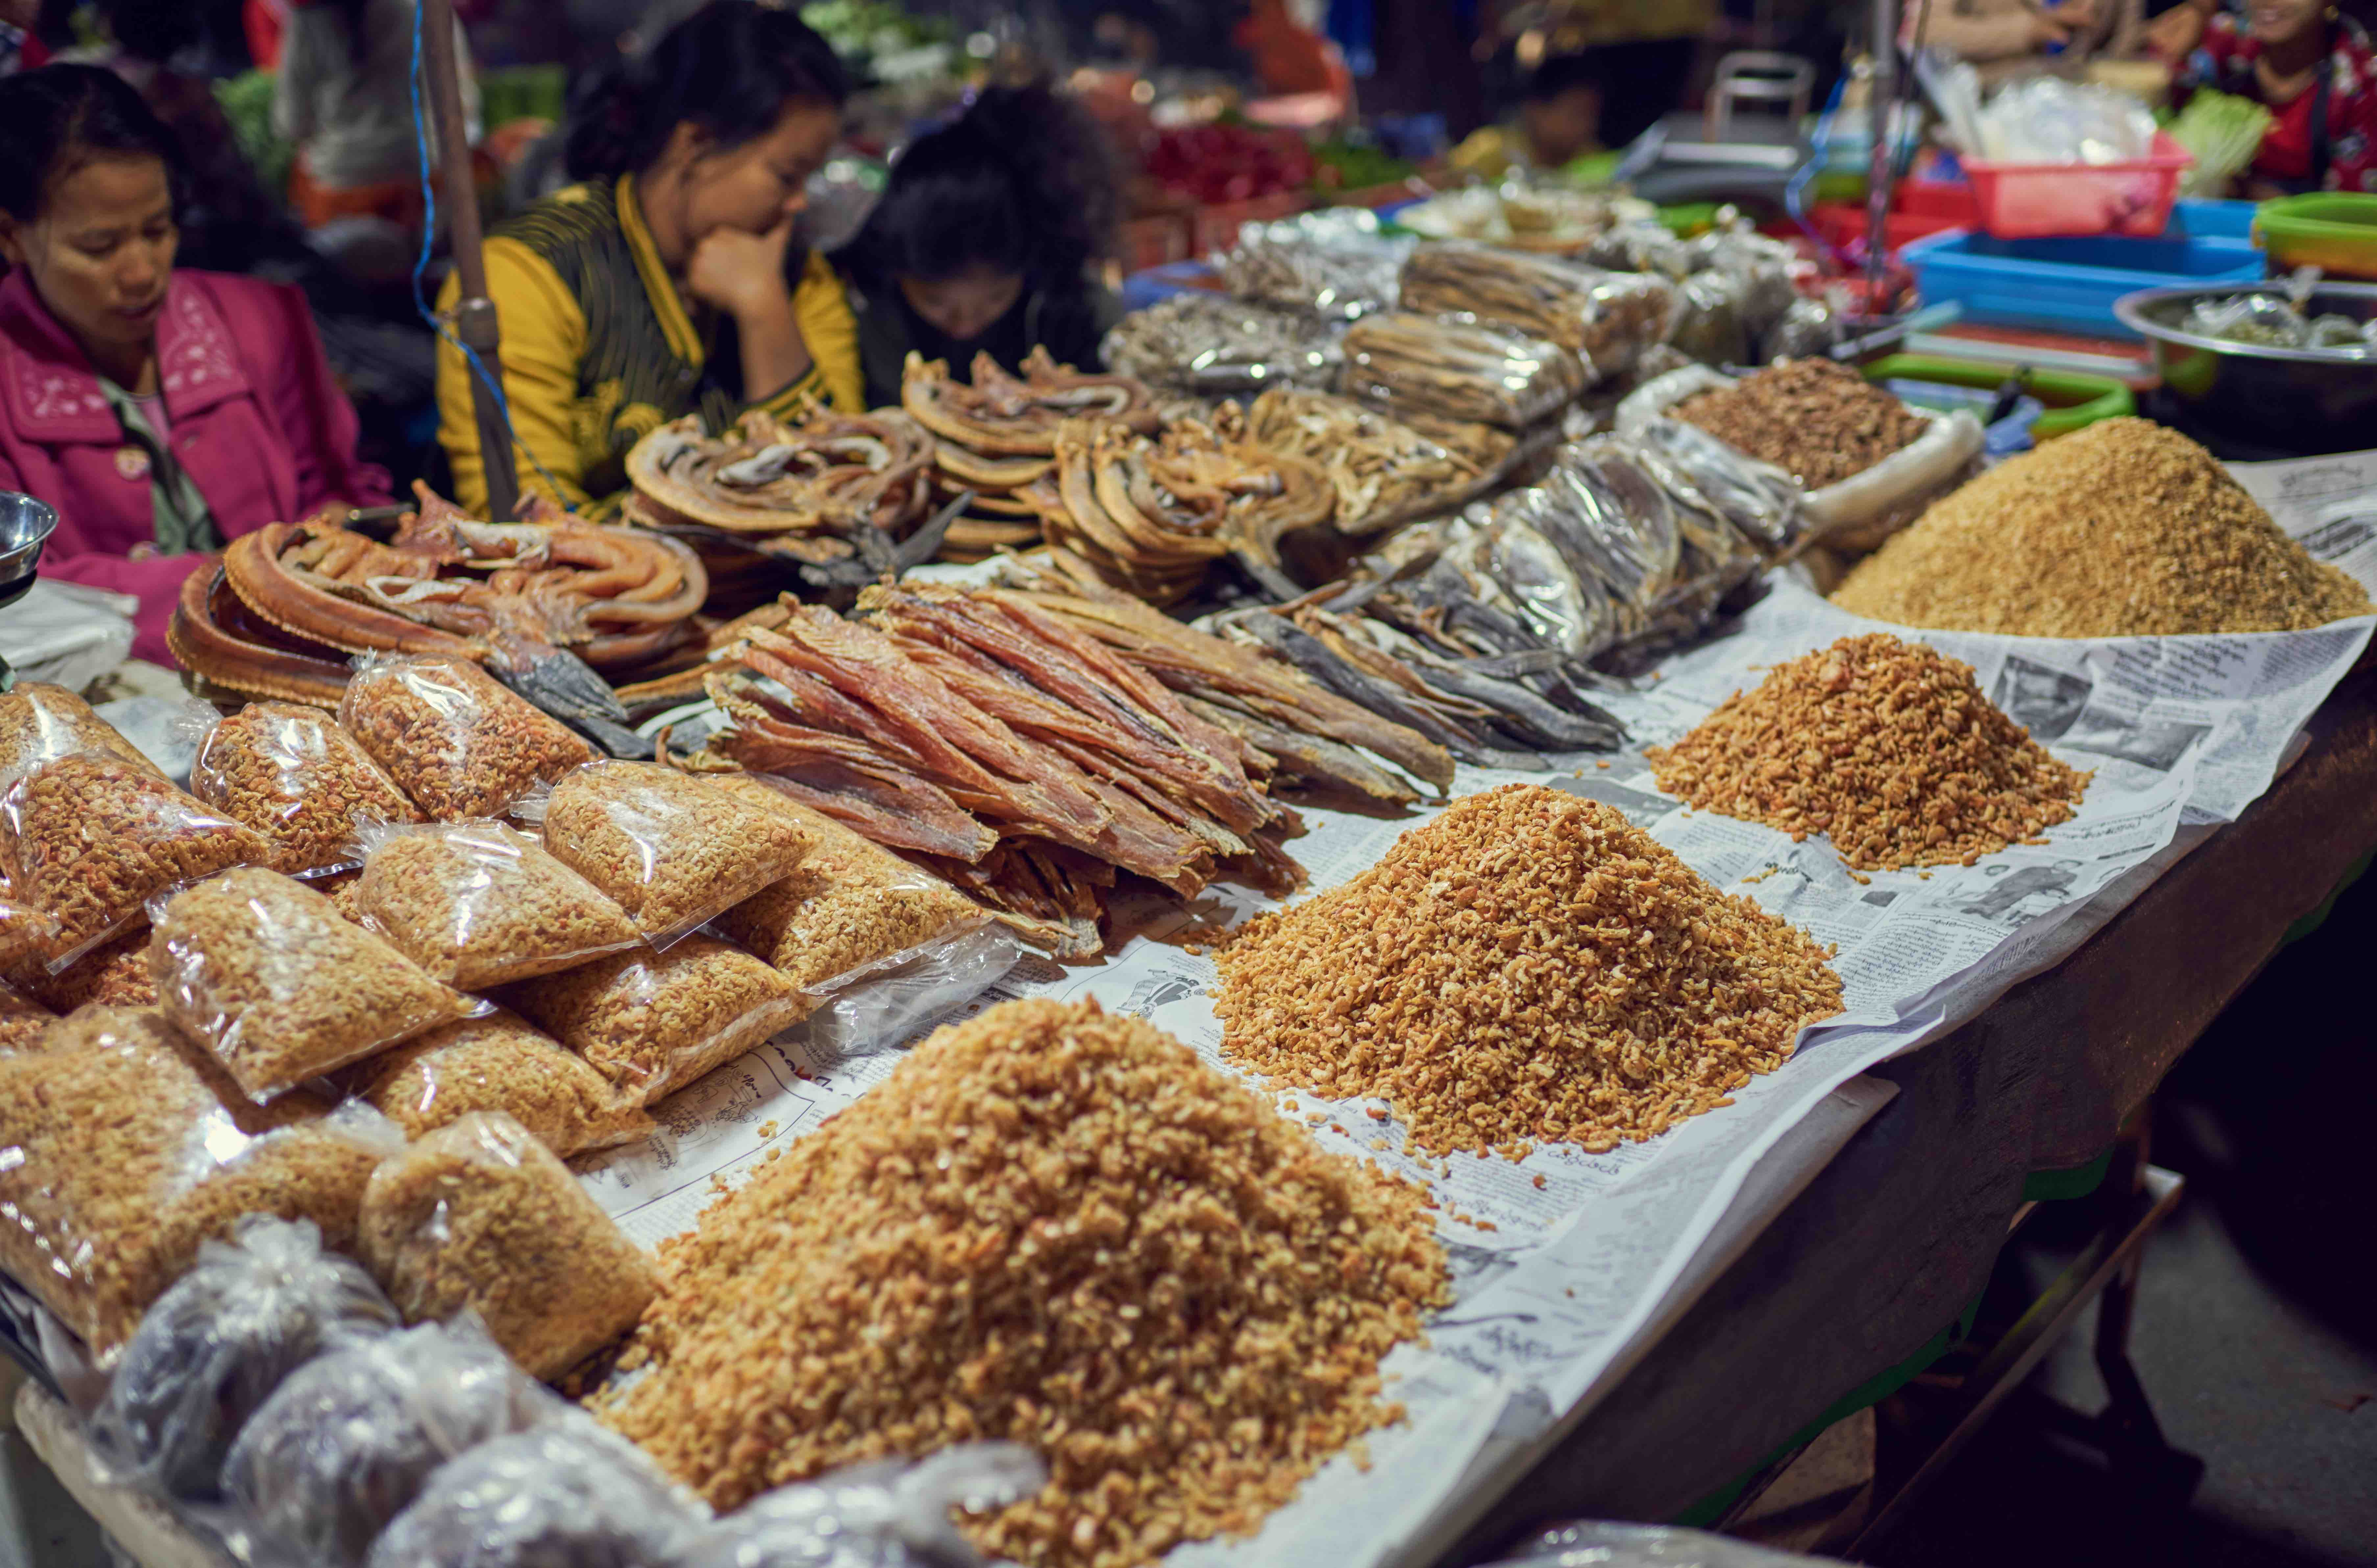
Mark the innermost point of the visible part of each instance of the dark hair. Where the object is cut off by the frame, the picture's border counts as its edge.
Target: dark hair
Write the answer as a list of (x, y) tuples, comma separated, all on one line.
[(1022, 182), (730, 68), (57, 119), (1564, 74)]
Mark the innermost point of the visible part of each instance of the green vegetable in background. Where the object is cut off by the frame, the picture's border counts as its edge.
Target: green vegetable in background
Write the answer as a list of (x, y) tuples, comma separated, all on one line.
[(2223, 132)]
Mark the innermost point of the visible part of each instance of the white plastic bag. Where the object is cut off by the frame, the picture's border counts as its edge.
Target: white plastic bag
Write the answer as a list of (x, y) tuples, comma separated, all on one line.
[(891, 1514)]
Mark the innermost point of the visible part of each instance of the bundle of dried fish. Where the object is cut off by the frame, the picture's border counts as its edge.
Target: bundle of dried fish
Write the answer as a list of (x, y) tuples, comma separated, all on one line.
[(1607, 317), (1210, 344), (1455, 370), (831, 486), (1151, 516), (994, 439), (944, 721), (537, 601), (1385, 470), (1053, 896), (1331, 266)]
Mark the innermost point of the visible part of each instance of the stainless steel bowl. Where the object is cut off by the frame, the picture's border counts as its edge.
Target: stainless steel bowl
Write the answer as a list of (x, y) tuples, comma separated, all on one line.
[(25, 525), (2278, 400)]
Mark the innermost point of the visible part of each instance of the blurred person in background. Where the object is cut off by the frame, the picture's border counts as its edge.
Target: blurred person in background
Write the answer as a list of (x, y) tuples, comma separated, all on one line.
[(2006, 39), (986, 240), (20, 43), (2313, 68), (1558, 121), (162, 411), (663, 284), (343, 95)]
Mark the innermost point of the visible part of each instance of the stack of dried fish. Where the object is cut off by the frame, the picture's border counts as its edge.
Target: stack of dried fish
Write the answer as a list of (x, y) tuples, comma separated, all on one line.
[(1211, 345), (546, 603), (1609, 318), (831, 488), (995, 437), (1386, 471), (1028, 744), (1454, 370), (1149, 517)]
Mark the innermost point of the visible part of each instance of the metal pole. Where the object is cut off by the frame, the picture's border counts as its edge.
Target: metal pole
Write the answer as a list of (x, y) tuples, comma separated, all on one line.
[(1881, 89), (474, 313)]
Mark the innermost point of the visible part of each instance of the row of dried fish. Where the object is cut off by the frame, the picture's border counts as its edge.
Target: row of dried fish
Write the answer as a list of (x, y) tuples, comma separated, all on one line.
[(1421, 364), (1151, 516), (1607, 318), (1486, 632), (1032, 743), (1385, 470)]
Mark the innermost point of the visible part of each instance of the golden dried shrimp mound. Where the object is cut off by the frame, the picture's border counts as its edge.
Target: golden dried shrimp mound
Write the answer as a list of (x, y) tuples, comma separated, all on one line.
[(2124, 529), (1058, 1227), (1527, 966), (1888, 746)]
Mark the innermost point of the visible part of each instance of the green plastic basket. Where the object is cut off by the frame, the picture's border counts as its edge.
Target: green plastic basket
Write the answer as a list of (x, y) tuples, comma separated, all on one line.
[(2073, 399), (2334, 230)]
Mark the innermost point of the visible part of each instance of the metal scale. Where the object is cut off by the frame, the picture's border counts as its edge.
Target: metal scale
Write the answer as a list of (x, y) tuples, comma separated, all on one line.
[(25, 525)]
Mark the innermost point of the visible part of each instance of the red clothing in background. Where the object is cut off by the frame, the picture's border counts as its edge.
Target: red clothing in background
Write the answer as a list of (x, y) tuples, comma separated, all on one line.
[(2224, 61), (257, 423)]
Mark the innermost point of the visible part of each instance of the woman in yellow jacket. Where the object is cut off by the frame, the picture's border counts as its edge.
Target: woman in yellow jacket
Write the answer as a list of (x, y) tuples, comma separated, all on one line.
[(659, 285)]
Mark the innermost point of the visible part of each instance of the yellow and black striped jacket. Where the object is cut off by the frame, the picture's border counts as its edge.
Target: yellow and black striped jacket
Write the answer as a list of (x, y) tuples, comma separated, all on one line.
[(598, 349)]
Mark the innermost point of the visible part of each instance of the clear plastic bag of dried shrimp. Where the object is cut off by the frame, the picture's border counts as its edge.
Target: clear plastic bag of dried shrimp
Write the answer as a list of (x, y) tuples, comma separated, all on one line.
[(478, 904), (500, 1063), (40, 722), (267, 976), (459, 743), (671, 848), (87, 839), (213, 1348), (129, 1150), (292, 775), (654, 1022), (480, 1216)]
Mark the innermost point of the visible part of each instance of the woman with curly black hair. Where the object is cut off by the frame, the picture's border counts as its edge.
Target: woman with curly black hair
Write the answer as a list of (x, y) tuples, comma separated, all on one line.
[(986, 240)]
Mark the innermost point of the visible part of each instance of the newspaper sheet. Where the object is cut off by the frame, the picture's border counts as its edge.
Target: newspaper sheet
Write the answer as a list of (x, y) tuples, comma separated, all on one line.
[(1562, 1260)]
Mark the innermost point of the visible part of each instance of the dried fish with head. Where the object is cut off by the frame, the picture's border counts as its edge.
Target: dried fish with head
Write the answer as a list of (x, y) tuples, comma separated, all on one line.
[(1385, 470)]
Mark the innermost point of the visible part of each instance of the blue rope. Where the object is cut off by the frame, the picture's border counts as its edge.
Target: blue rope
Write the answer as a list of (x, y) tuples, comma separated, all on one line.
[(421, 265)]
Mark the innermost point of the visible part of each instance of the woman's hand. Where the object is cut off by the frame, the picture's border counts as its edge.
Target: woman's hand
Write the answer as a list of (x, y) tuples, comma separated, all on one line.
[(742, 274), (2173, 36)]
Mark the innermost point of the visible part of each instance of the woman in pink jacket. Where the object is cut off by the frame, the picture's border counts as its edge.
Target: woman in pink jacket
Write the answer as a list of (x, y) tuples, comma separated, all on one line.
[(160, 412)]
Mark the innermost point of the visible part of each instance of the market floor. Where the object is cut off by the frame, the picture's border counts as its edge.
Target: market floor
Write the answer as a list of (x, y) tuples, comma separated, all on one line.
[(2255, 1332)]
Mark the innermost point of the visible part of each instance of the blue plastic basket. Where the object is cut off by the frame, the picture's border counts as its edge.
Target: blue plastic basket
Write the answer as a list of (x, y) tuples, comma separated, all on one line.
[(2068, 285)]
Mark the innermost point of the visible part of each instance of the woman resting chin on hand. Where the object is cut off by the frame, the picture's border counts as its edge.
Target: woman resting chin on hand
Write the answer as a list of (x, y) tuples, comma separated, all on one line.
[(159, 411)]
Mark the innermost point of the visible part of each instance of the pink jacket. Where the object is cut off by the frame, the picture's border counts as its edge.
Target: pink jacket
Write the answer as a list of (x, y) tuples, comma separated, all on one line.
[(257, 423)]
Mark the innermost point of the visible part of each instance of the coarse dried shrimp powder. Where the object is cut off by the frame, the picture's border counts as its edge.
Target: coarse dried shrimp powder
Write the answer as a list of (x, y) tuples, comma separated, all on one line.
[(1888, 746), (1055, 1226), (1527, 966), (2121, 529)]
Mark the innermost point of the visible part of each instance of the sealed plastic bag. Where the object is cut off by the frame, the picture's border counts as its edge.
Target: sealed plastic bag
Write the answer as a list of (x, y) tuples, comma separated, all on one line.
[(114, 974), (348, 1439), (292, 775), (40, 722), (1609, 318), (499, 1062), (478, 904), (888, 1004), (459, 743), (893, 1513), (1213, 346), (128, 1150), (671, 848), (566, 1493), (480, 1216), (1332, 265), (215, 1346), (25, 932), (850, 906), (87, 839), (652, 1022), (1460, 371), (265, 976)]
